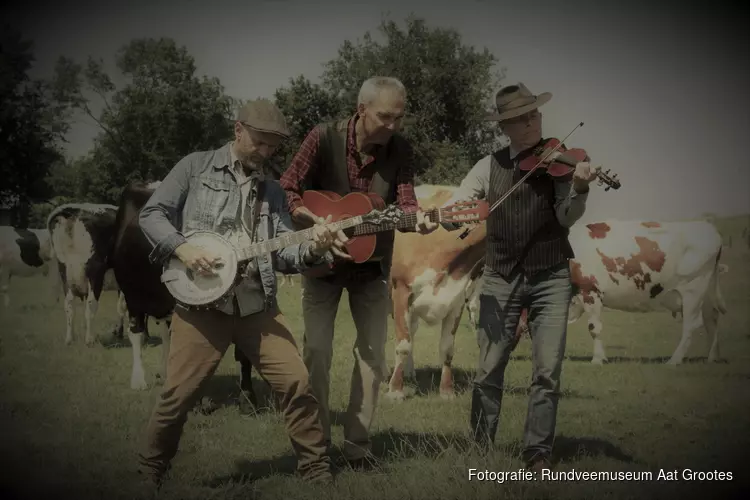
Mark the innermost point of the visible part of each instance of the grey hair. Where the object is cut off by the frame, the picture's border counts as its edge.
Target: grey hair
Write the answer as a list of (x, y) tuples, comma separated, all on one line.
[(372, 86)]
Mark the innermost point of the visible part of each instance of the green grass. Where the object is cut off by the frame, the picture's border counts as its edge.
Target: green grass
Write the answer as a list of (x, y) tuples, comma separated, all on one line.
[(71, 425)]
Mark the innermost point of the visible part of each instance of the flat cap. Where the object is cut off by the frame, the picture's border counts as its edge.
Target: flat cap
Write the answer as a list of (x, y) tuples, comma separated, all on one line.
[(264, 116)]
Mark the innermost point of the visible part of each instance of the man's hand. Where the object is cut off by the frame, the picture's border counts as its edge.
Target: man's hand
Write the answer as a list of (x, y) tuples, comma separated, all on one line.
[(197, 259), (339, 242), (323, 238), (424, 224), (583, 176)]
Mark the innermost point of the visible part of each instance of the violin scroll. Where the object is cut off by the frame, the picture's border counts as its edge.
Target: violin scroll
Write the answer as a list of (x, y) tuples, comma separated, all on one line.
[(611, 181)]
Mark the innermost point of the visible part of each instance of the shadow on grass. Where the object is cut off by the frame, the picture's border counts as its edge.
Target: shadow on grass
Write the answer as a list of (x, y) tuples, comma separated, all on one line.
[(428, 382), (644, 360), (388, 447), (572, 449)]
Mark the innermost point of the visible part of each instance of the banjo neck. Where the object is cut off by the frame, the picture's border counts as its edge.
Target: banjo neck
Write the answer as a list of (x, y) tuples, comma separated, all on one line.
[(294, 238)]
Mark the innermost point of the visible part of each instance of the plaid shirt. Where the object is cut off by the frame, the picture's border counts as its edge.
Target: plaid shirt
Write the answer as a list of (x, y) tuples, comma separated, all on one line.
[(305, 162)]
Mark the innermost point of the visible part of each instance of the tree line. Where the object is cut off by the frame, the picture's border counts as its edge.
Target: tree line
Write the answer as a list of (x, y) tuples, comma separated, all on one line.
[(165, 110)]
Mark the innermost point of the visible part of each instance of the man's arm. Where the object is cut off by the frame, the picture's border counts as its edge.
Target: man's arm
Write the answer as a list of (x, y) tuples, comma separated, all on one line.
[(163, 207), (473, 187), (405, 196), (295, 178), (298, 257), (569, 203)]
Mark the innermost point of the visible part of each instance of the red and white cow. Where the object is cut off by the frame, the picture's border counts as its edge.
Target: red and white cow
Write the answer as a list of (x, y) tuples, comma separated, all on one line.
[(432, 278), (636, 266), (23, 252), (649, 266), (81, 237)]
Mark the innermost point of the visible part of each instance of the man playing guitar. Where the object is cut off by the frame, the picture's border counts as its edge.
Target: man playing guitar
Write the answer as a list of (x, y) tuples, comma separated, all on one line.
[(364, 153)]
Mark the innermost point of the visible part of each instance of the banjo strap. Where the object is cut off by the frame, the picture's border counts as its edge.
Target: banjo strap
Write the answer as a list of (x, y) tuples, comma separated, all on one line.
[(256, 210), (255, 221)]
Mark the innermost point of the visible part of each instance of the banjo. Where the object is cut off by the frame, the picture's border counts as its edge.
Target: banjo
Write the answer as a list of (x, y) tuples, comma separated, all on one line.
[(200, 291)]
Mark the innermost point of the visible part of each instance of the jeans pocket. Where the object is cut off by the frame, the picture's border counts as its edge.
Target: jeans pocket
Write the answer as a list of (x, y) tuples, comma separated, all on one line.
[(561, 271)]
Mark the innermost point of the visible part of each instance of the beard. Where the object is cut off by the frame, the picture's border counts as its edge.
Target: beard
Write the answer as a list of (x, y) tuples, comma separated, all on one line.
[(252, 162)]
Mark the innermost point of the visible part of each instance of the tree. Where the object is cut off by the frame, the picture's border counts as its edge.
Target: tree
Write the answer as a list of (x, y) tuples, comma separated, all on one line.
[(448, 86), (31, 127), (163, 113), (304, 105)]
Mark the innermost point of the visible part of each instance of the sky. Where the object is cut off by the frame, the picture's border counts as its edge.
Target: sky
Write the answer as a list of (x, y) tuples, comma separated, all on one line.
[(662, 90)]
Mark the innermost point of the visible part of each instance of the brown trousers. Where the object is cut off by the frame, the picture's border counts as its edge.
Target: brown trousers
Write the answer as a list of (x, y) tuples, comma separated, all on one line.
[(199, 341)]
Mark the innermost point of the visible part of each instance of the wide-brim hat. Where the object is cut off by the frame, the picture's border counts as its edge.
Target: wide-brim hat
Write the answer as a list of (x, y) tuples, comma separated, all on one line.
[(264, 116), (515, 100)]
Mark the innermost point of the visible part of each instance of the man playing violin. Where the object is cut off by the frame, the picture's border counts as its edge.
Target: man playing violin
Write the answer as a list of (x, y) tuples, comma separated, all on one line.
[(526, 266), (226, 191)]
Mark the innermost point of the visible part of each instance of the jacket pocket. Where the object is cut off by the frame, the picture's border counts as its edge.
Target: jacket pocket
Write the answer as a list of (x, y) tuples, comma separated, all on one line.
[(211, 199)]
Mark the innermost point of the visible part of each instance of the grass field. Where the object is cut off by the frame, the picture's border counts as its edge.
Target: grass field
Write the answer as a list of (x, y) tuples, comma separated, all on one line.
[(71, 425)]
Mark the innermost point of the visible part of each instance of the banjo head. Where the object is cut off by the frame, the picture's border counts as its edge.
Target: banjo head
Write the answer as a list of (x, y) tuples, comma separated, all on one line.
[(195, 289)]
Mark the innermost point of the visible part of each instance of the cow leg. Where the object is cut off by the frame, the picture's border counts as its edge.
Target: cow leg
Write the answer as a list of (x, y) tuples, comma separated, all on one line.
[(406, 325), (711, 324), (136, 328), (472, 306), (69, 316), (118, 331), (248, 401), (92, 304), (447, 345), (594, 313), (692, 305), (522, 329), (5, 285)]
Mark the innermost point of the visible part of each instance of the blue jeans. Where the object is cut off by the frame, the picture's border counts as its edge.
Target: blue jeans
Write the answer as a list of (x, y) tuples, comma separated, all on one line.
[(547, 295)]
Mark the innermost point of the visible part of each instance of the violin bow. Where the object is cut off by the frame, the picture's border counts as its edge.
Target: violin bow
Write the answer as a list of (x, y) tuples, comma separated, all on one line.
[(466, 231)]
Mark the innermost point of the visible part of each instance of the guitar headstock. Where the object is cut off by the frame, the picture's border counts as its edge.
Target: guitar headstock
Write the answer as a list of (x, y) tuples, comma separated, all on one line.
[(391, 213), (464, 212), (610, 180)]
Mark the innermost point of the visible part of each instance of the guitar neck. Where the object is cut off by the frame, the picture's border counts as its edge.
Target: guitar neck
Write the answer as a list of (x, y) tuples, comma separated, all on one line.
[(294, 238), (404, 222)]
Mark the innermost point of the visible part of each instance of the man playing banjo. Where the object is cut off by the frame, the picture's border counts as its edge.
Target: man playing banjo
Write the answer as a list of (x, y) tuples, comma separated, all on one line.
[(225, 191)]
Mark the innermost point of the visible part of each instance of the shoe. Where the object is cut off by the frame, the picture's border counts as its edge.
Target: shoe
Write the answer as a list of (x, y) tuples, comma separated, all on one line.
[(321, 480), (148, 485), (538, 464), (365, 463)]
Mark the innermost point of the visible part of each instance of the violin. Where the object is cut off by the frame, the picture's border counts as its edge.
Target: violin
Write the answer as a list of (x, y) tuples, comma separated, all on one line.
[(544, 157), (562, 164)]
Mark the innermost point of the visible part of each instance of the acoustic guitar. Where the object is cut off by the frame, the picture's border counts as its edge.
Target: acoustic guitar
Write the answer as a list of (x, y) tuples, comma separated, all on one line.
[(368, 239)]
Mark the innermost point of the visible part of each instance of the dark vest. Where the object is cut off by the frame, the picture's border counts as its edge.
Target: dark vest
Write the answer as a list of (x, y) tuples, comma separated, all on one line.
[(332, 174), (523, 230)]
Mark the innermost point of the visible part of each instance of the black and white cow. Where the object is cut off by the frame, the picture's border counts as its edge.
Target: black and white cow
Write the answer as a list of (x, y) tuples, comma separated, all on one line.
[(81, 236), (23, 252), (139, 279)]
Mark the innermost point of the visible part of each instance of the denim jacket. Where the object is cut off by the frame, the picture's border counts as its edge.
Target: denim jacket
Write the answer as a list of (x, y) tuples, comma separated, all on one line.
[(200, 193)]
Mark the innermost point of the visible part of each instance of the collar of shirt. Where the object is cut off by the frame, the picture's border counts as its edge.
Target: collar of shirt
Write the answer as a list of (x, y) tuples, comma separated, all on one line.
[(513, 152), (352, 139), (246, 174)]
